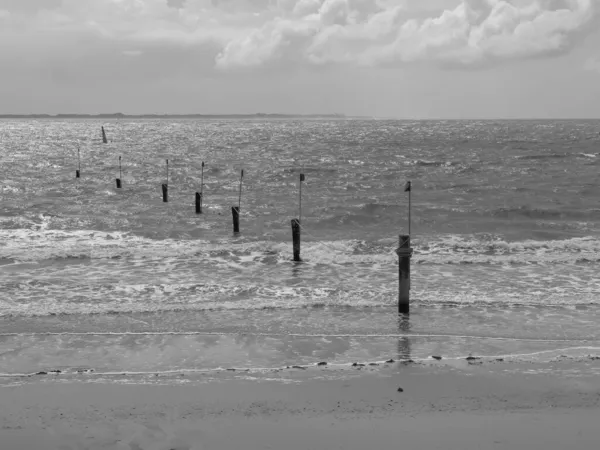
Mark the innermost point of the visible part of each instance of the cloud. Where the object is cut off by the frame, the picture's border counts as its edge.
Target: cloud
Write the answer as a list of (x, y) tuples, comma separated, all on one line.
[(371, 32), (265, 33), (176, 3), (592, 64)]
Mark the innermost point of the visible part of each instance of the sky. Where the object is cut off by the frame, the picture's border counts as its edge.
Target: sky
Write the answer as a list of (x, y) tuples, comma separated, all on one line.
[(411, 59)]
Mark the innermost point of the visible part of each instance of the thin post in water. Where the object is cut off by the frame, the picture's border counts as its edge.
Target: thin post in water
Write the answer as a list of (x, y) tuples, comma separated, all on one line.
[(104, 140), (199, 195), (235, 210), (120, 175), (165, 187), (78, 171)]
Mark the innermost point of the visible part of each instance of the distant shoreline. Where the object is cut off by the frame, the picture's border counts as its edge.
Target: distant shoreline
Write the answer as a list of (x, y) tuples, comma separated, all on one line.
[(180, 116)]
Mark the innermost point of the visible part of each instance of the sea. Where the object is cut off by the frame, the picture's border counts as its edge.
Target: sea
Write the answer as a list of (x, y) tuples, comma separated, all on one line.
[(113, 284)]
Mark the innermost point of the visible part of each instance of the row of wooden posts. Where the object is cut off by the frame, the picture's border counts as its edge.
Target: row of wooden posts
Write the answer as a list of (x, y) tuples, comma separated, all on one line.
[(404, 250)]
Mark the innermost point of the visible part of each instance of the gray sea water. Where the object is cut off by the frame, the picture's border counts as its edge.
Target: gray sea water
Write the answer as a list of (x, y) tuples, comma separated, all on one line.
[(505, 231)]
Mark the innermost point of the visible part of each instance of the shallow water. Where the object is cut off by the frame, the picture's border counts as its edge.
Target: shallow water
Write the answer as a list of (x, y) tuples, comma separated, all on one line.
[(505, 227)]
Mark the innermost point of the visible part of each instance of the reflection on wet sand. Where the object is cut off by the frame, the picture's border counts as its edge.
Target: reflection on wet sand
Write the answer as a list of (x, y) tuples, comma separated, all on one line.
[(403, 341)]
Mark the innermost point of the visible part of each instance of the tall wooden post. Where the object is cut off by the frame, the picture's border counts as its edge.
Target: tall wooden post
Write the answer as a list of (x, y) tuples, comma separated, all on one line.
[(165, 187), (296, 239), (300, 198), (235, 211), (120, 175), (404, 253), (199, 195), (198, 203), (296, 223), (78, 171)]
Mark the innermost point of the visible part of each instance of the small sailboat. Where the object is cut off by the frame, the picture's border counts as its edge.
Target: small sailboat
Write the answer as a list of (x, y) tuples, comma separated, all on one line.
[(104, 140)]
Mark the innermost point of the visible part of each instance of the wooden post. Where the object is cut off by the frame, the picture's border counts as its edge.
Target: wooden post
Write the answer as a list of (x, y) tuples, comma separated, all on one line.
[(120, 175), (165, 187), (404, 253), (78, 171), (296, 239), (235, 211), (300, 198), (200, 195), (198, 203)]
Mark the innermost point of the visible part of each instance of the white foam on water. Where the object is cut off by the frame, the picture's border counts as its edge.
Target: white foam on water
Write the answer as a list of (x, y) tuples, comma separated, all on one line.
[(36, 245)]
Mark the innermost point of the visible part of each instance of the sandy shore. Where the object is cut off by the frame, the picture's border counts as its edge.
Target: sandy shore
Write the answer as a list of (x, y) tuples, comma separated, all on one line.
[(475, 407)]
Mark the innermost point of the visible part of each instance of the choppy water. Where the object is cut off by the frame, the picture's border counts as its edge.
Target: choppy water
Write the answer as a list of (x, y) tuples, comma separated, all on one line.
[(505, 227)]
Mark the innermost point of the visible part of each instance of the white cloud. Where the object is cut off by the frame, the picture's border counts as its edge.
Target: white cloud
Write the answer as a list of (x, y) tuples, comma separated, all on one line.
[(371, 32), (260, 33)]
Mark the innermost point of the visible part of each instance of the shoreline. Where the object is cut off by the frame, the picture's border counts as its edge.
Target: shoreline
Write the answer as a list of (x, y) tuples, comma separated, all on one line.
[(467, 407)]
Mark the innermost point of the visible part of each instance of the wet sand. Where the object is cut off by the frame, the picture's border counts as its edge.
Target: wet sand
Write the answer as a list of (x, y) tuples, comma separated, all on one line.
[(489, 406)]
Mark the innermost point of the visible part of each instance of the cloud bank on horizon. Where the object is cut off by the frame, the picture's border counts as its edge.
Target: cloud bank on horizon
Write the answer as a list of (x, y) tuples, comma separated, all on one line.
[(254, 34)]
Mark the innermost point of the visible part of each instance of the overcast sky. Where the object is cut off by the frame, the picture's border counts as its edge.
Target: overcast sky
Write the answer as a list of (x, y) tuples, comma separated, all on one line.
[(385, 58)]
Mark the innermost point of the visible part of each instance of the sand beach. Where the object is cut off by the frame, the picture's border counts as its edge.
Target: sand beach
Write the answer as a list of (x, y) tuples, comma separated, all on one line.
[(466, 405)]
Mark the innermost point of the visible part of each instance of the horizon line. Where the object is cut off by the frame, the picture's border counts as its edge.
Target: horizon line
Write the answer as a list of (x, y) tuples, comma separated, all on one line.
[(268, 115)]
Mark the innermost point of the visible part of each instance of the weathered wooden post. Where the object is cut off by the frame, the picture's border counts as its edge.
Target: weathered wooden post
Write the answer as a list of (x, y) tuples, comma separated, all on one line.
[(296, 224), (404, 253), (296, 239), (235, 211), (120, 175), (200, 194), (165, 187), (198, 203), (104, 140), (408, 188), (78, 171), (300, 198)]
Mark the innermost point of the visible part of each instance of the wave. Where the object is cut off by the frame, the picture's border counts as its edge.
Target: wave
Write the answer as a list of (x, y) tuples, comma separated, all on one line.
[(544, 156), (25, 245), (114, 299), (543, 213)]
